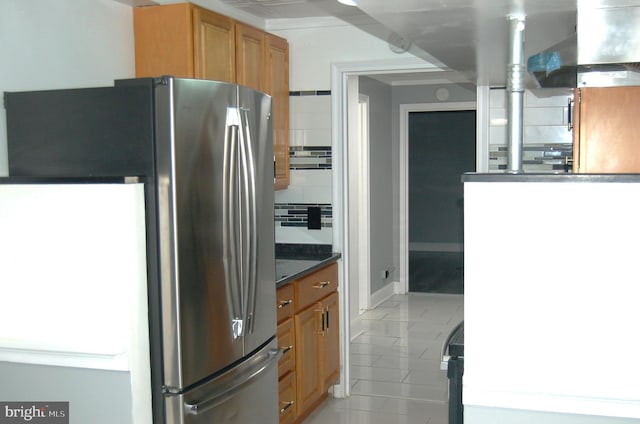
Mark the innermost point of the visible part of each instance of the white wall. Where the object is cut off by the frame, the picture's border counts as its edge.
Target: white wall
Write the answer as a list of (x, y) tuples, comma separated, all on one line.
[(314, 44), (62, 44), (381, 179)]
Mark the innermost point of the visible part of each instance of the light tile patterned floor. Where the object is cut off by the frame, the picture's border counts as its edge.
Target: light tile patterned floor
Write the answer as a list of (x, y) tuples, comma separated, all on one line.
[(395, 363)]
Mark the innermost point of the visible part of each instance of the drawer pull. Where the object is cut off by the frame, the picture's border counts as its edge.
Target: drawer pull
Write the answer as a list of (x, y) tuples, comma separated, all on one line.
[(286, 349), (284, 303), (286, 406), (327, 315), (321, 284)]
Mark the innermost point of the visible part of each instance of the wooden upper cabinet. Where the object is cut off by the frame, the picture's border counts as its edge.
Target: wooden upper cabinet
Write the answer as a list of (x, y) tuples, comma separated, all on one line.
[(606, 128), (188, 41), (250, 57), (277, 64), (185, 41), (215, 48), (164, 41)]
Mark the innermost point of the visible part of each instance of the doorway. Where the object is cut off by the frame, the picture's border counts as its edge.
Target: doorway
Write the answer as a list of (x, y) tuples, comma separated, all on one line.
[(346, 188), (441, 149), (436, 258)]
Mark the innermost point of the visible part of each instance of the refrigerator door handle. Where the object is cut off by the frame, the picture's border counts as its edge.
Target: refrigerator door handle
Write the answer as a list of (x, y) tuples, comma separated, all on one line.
[(272, 357), (232, 240), (250, 224)]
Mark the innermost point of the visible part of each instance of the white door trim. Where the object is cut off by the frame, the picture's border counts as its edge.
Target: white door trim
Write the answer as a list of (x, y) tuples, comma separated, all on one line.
[(403, 158), (339, 132), (364, 290)]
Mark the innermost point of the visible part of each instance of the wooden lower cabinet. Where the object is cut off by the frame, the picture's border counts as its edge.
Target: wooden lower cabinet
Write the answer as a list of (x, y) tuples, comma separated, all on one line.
[(315, 352)]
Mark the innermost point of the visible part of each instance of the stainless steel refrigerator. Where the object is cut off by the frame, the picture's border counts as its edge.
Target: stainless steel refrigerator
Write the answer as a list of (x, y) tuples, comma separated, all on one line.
[(204, 150)]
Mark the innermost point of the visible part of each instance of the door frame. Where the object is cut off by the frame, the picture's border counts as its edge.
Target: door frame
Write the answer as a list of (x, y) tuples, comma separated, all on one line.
[(340, 72), (405, 110), (364, 272)]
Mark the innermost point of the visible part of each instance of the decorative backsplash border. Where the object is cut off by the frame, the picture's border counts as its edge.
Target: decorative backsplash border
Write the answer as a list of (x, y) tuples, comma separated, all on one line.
[(310, 157), (542, 158), (303, 251), (310, 93), (296, 214)]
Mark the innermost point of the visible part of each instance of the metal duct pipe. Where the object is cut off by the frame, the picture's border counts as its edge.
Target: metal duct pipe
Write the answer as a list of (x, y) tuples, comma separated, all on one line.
[(515, 90)]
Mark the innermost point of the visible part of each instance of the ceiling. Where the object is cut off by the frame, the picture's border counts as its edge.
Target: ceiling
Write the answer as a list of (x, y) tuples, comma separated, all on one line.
[(467, 36)]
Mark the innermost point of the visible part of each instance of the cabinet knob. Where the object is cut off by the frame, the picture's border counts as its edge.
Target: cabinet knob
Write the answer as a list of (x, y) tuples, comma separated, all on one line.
[(286, 349), (321, 284), (284, 303), (286, 406)]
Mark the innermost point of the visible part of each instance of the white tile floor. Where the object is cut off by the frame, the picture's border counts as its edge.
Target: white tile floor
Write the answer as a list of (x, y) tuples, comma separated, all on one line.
[(395, 364)]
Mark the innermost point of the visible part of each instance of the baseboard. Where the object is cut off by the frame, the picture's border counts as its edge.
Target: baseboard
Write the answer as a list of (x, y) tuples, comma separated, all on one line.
[(399, 288), (382, 294), (337, 391), (355, 329)]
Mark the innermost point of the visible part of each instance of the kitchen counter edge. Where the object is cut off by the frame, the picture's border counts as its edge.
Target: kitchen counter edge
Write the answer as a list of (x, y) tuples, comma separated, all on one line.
[(549, 178), (308, 270)]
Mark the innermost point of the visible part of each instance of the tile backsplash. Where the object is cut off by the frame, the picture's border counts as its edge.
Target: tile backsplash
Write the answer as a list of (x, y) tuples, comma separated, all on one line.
[(310, 157), (535, 157), (296, 215), (547, 144), (310, 167)]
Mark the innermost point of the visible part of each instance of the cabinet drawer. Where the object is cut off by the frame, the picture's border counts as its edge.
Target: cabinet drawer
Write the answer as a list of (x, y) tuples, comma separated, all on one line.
[(287, 396), (316, 285), (285, 302), (286, 342)]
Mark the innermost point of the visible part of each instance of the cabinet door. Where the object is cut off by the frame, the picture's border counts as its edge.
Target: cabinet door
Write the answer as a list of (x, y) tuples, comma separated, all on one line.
[(331, 341), (163, 40), (250, 57), (608, 128), (308, 352), (214, 44), (277, 85)]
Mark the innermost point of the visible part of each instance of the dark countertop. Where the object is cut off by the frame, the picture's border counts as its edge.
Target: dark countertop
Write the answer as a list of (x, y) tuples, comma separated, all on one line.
[(289, 269), (550, 178)]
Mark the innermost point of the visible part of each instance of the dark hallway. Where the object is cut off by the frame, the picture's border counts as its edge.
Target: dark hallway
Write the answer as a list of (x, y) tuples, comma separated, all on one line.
[(436, 272), (441, 149)]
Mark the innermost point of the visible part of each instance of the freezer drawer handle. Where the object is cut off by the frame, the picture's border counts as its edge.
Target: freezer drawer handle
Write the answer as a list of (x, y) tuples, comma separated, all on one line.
[(286, 406), (200, 407)]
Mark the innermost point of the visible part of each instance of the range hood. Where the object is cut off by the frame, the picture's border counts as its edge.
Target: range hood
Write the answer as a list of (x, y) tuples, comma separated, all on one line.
[(605, 51)]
